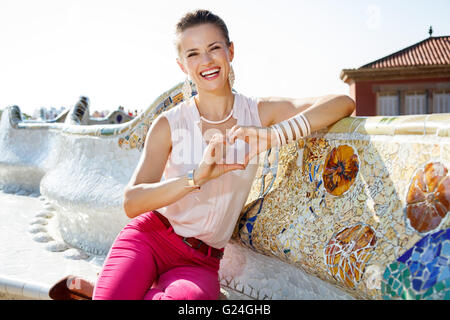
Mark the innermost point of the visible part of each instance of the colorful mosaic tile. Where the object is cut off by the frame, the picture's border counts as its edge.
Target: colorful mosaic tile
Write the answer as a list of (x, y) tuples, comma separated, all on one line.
[(340, 170), (314, 148), (252, 211), (347, 253), (314, 193), (428, 198), (301, 222), (136, 137), (422, 272), (177, 98)]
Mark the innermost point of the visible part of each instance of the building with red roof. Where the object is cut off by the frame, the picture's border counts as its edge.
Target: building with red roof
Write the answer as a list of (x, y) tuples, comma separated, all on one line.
[(415, 80)]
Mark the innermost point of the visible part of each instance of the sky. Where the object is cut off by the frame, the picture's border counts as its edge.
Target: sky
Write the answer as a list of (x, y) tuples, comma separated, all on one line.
[(122, 52)]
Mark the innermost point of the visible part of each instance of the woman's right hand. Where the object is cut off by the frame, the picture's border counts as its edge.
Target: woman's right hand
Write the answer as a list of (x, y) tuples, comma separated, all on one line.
[(212, 164)]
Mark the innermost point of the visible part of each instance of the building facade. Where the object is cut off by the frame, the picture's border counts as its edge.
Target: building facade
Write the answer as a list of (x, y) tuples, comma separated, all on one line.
[(415, 80)]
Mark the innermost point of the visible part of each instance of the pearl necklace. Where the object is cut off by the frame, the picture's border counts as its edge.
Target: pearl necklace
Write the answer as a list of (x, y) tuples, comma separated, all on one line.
[(220, 121)]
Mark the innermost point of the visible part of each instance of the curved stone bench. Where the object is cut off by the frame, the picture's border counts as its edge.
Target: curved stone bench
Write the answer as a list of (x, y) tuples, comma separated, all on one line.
[(362, 205), (346, 213), (82, 169), (114, 117), (27, 156), (79, 114)]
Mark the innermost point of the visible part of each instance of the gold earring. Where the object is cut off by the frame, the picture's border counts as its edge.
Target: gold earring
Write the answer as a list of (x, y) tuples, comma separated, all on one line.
[(231, 77)]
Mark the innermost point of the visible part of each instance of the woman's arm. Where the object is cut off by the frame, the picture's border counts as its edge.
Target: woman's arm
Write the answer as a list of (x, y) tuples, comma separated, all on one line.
[(316, 113), (320, 111), (145, 191)]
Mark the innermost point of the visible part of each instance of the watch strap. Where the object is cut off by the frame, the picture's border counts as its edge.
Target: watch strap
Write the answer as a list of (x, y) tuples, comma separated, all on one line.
[(191, 183)]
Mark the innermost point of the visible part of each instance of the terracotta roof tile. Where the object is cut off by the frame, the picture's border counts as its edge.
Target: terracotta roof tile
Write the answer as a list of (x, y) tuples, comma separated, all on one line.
[(431, 51)]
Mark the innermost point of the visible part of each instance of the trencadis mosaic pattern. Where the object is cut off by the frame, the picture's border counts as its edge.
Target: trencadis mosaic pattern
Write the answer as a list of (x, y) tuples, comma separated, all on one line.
[(136, 137), (427, 199), (345, 206), (422, 272), (347, 253), (362, 205), (130, 130), (347, 201), (341, 168)]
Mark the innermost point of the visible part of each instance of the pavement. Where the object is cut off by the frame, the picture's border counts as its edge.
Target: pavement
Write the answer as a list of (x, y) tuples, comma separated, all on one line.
[(27, 268)]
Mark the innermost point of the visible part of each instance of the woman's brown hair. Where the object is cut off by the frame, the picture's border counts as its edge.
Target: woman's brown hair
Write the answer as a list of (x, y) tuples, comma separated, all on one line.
[(199, 17)]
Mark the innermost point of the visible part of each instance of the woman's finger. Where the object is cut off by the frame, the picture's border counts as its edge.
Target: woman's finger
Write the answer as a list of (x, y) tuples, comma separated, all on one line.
[(210, 150), (231, 131), (209, 154), (238, 133), (219, 146), (230, 167)]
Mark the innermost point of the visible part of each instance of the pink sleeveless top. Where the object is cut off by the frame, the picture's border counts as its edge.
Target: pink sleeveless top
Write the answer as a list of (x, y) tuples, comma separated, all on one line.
[(211, 214)]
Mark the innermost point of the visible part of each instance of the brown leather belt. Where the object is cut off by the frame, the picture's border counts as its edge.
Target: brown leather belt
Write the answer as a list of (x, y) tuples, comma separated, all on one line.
[(194, 242)]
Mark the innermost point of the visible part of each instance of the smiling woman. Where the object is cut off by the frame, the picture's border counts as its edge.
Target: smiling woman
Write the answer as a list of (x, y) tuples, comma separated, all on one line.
[(173, 246), (202, 38)]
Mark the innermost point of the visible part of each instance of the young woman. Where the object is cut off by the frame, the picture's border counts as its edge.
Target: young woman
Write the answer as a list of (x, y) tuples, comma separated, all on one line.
[(172, 247)]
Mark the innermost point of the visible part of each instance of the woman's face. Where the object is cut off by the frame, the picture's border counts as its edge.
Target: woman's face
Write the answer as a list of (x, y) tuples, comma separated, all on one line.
[(205, 56)]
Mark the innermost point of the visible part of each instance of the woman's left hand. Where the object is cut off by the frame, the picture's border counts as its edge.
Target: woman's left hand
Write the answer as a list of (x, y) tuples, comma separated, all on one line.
[(259, 139)]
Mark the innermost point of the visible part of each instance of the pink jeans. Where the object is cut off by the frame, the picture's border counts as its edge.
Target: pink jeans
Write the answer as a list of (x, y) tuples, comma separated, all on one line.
[(148, 261)]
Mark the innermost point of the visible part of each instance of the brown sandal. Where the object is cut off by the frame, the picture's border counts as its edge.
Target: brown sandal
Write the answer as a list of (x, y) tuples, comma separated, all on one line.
[(72, 288)]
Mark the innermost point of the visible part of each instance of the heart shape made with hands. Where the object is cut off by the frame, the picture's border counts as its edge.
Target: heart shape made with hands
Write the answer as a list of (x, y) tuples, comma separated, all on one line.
[(230, 153), (236, 152), (240, 145)]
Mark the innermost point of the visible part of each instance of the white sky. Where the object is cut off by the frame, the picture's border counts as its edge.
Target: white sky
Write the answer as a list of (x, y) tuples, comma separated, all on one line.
[(122, 53)]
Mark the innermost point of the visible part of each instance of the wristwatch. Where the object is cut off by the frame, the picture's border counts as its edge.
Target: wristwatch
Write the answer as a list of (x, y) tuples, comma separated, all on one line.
[(191, 182)]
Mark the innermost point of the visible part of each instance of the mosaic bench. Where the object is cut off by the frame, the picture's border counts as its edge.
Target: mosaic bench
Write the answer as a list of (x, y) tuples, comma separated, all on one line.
[(356, 210)]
